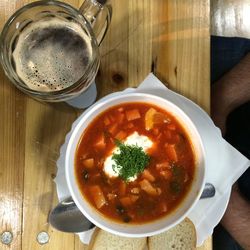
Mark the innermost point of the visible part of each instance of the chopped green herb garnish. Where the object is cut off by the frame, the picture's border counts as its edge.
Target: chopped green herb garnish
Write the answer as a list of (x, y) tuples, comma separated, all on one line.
[(130, 161)]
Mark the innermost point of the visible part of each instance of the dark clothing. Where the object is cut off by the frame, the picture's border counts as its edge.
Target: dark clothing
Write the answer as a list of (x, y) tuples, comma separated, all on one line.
[(226, 53), (222, 240), (238, 134)]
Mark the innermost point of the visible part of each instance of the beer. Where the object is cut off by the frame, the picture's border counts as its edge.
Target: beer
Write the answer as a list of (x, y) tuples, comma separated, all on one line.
[(52, 54)]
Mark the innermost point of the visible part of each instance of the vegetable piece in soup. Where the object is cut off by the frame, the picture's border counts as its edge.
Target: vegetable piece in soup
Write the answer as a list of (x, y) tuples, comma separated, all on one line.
[(135, 163)]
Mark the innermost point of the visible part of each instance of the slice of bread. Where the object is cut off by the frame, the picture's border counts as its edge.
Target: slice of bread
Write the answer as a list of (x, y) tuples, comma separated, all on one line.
[(102, 240), (180, 237)]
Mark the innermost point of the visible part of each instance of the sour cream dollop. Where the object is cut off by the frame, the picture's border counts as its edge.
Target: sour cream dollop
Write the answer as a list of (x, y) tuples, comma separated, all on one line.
[(134, 139)]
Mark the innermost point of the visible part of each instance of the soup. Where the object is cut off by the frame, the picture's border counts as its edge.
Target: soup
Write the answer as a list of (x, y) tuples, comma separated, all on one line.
[(135, 163)]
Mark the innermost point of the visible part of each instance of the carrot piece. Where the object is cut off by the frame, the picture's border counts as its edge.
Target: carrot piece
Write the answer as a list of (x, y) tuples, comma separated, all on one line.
[(125, 201), (122, 188), (149, 118), (121, 135), (113, 128), (88, 163), (158, 190), (168, 134), (112, 118), (100, 163), (97, 195), (83, 156), (159, 136), (134, 198), (160, 118), (171, 152), (133, 114), (163, 165), (111, 196), (100, 144), (106, 121), (148, 188), (176, 138), (135, 190), (147, 175), (171, 126), (167, 174), (155, 131), (130, 125), (128, 200), (120, 117), (96, 177)]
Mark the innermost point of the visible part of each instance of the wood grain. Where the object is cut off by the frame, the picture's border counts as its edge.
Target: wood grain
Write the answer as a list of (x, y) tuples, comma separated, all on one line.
[(12, 141), (11, 161), (230, 18), (169, 38)]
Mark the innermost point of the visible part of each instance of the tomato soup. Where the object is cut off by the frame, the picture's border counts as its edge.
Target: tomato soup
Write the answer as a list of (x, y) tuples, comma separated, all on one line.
[(135, 163)]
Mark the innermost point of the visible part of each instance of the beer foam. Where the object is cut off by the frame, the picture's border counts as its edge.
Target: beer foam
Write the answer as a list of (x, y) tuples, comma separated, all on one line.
[(51, 55)]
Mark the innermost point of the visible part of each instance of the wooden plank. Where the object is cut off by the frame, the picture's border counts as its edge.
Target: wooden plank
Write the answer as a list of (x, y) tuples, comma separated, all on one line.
[(113, 73), (180, 43), (230, 18), (139, 40), (46, 127), (169, 38), (12, 141), (194, 50)]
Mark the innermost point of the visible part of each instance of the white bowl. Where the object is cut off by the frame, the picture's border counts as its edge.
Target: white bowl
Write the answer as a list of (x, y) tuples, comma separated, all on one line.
[(149, 228)]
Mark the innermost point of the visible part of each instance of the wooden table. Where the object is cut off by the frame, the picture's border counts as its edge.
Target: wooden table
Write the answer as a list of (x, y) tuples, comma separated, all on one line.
[(167, 37), (230, 18)]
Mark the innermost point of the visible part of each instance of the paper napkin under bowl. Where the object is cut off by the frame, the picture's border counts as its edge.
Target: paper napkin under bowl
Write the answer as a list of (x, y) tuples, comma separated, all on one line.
[(224, 164)]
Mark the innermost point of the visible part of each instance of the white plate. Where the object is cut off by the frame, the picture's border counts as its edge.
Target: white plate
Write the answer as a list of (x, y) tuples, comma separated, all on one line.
[(203, 219)]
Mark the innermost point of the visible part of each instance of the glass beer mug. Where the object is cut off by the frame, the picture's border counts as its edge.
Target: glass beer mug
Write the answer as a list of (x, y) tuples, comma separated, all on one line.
[(49, 50)]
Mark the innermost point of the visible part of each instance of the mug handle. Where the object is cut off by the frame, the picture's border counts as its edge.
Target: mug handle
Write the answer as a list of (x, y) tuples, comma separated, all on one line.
[(98, 14)]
